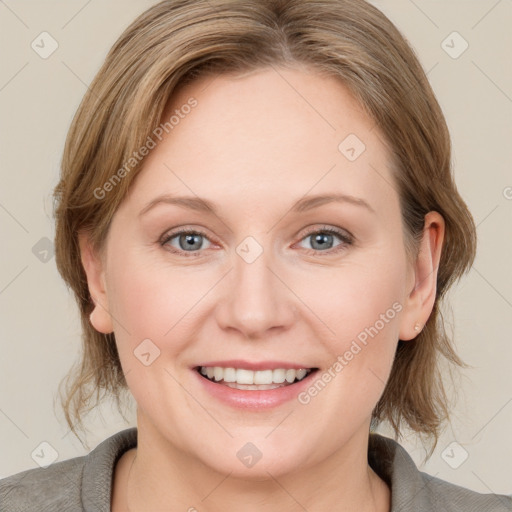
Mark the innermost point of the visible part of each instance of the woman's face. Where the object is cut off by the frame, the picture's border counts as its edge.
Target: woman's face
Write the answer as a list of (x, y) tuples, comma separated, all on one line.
[(279, 278)]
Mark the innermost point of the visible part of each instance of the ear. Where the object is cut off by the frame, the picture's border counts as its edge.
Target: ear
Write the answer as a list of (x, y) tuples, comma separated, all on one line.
[(420, 299), (93, 265)]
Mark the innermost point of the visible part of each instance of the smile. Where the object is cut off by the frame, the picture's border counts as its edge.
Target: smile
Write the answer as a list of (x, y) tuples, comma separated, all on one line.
[(241, 378), (253, 386)]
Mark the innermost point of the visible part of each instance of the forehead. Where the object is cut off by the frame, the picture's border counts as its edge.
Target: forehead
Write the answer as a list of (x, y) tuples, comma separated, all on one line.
[(264, 136)]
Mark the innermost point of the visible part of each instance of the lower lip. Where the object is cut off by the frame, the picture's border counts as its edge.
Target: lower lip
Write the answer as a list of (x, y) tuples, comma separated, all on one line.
[(255, 399)]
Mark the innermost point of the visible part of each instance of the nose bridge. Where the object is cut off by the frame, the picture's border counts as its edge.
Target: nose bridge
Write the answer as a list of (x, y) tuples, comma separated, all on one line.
[(257, 300)]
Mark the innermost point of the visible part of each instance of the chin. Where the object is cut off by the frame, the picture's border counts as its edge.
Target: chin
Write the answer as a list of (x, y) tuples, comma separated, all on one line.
[(256, 458)]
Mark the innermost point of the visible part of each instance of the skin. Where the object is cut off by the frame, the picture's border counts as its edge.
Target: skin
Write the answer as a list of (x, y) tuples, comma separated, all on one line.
[(254, 146)]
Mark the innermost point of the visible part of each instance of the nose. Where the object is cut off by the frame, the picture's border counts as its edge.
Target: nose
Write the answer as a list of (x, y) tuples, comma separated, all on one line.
[(256, 298)]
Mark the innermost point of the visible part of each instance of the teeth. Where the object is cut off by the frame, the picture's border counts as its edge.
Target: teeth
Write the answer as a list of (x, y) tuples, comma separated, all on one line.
[(261, 387), (253, 378), (262, 377), (243, 376), (229, 375)]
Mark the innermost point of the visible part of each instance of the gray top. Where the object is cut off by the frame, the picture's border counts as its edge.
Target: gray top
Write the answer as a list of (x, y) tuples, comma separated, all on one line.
[(85, 483)]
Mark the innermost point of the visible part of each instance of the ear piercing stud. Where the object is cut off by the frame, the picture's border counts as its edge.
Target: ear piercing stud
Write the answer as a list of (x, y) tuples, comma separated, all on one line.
[(416, 326)]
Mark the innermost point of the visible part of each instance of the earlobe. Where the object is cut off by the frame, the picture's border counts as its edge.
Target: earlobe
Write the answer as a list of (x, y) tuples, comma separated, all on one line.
[(100, 317), (419, 301)]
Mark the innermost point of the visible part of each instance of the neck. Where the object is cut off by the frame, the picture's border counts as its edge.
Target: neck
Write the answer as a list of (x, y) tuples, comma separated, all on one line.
[(161, 474)]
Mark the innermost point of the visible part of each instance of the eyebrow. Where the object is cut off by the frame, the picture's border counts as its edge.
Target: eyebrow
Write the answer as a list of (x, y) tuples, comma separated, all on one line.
[(305, 204)]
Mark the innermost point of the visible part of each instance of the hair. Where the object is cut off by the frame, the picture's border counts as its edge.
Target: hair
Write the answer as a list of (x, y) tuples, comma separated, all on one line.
[(177, 41)]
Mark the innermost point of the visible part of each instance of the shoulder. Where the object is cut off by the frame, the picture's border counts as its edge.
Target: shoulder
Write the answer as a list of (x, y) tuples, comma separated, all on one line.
[(53, 488), (448, 497), (412, 489), (80, 483)]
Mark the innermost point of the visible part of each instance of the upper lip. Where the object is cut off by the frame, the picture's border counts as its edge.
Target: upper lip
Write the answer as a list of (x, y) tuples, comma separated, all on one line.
[(254, 365)]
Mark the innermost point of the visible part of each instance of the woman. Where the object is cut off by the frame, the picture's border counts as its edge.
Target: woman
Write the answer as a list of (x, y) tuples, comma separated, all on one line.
[(257, 216)]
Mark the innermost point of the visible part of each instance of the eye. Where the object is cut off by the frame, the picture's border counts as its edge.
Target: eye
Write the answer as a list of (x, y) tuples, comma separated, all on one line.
[(190, 242), (187, 240), (322, 240)]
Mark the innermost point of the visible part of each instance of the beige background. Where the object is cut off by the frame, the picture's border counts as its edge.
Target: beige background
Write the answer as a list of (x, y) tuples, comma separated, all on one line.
[(39, 323)]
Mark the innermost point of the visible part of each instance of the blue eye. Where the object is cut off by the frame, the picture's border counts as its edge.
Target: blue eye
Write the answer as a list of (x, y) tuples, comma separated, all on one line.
[(322, 240), (190, 242)]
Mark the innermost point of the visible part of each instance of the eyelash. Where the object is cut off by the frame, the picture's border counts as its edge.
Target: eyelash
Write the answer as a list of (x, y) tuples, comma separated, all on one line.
[(345, 238)]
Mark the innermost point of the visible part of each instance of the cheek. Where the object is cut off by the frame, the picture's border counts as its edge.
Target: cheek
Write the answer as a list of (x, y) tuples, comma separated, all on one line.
[(151, 300), (349, 299), (155, 303), (359, 307)]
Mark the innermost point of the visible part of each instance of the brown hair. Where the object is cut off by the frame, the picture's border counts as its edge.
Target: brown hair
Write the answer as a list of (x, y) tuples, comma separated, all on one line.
[(176, 41)]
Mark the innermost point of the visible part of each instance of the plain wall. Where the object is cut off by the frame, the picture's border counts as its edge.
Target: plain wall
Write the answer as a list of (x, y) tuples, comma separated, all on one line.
[(40, 330)]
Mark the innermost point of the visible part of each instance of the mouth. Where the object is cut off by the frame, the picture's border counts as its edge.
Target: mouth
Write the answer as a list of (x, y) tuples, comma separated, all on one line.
[(254, 380)]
